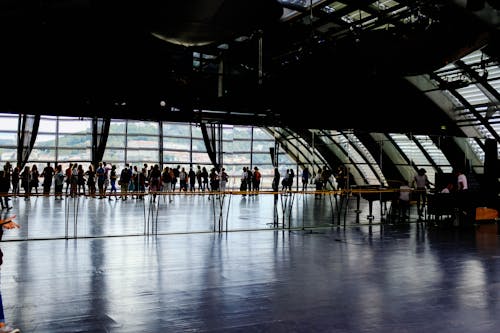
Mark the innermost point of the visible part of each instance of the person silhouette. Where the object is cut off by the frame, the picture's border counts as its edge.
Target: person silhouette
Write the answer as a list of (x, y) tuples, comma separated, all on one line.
[(7, 223)]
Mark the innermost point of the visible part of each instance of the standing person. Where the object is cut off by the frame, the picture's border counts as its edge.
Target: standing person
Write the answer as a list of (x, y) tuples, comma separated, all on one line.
[(5, 187), (462, 184), (290, 179), (81, 181), (90, 174), (276, 180), (112, 179), (15, 181), (166, 181), (249, 180), (421, 183), (204, 178), (305, 178), (341, 178), (177, 171), (155, 181), (7, 223), (34, 178), (58, 182), (25, 182), (67, 174), (101, 178), (463, 200), (224, 177), (192, 179), (124, 181), (47, 174), (198, 177), (256, 179), (183, 180)]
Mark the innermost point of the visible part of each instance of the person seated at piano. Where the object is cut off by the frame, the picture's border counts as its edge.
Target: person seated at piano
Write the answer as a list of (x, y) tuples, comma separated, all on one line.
[(404, 201), (447, 189)]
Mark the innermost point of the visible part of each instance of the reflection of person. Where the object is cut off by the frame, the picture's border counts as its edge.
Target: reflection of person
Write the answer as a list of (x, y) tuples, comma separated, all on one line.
[(7, 223)]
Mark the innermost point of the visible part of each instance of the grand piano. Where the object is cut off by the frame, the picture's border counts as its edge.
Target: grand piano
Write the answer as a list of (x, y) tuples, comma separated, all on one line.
[(373, 193)]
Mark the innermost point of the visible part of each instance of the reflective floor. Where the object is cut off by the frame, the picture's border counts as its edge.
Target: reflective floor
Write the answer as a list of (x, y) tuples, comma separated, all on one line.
[(136, 266)]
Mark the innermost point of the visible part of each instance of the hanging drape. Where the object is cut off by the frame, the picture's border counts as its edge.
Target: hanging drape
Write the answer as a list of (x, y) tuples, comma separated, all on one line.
[(100, 132), (210, 140), (27, 130)]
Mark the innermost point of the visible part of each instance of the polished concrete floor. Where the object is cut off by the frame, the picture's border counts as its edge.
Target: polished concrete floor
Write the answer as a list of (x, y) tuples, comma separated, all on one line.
[(291, 263)]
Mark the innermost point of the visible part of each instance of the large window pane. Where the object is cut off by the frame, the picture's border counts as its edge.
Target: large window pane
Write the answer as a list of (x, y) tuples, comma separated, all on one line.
[(201, 158), (138, 141), (75, 126), (174, 129), (139, 127), (7, 154), (8, 138), (114, 155), (115, 141), (9, 123), (117, 127), (176, 143), (75, 141), (45, 140), (142, 156)]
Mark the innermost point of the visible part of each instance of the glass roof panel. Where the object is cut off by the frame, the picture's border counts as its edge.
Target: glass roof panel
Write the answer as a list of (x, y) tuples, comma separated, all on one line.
[(383, 5), (434, 152), (355, 15), (473, 94)]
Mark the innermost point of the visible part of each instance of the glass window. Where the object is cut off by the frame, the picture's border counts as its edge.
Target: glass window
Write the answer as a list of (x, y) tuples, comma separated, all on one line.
[(175, 129), (115, 141), (75, 141), (114, 155), (140, 127), (201, 158), (45, 140), (71, 125), (142, 156), (117, 127), (176, 143), (9, 123), (47, 124), (140, 141)]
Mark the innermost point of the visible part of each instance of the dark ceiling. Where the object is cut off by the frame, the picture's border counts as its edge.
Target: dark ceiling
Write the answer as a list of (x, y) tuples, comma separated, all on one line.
[(315, 69)]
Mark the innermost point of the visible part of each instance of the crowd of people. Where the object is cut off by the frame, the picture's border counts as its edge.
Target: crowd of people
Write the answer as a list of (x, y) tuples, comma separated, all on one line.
[(105, 181)]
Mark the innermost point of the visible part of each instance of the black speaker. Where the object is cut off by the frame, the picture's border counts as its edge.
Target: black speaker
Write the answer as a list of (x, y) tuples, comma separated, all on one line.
[(491, 159)]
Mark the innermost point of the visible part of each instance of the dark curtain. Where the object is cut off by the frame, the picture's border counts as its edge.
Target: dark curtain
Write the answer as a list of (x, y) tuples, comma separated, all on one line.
[(100, 132), (210, 140), (27, 130)]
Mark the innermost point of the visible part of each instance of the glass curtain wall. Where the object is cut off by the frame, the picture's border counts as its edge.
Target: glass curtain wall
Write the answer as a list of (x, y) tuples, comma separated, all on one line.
[(65, 140)]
